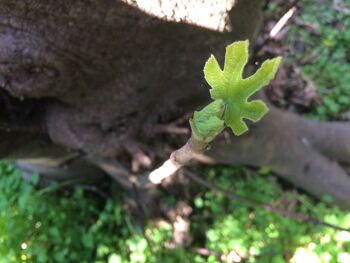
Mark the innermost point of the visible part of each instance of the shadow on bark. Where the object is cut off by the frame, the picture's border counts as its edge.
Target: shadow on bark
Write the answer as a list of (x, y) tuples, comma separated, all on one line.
[(98, 71)]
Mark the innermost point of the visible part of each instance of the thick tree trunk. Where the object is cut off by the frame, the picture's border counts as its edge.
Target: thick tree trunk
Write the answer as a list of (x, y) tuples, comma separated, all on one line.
[(305, 153), (84, 74)]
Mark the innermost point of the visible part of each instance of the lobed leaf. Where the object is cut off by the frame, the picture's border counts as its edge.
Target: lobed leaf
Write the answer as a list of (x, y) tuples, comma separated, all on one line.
[(229, 85)]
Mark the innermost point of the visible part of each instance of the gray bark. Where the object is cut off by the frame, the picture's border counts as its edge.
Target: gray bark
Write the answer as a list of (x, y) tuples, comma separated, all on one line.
[(80, 75)]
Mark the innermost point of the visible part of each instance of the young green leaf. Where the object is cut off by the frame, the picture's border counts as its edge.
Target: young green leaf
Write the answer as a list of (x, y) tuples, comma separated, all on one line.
[(207, 123), (229, 85)]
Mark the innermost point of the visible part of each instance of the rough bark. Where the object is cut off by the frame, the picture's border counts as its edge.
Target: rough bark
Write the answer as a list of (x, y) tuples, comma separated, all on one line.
[(85, 73), (305, 153)]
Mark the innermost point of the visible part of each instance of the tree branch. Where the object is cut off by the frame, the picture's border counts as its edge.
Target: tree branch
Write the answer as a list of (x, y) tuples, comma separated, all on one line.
[(178, 159)]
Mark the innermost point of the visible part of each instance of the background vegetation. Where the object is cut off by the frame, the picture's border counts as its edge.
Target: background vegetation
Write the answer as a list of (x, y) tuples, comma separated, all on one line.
[(91, 224), (84, 226), (321, 44)]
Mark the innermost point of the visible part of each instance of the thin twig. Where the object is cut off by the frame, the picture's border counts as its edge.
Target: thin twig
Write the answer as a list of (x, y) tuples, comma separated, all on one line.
[(282, 22), (93, 189), (268, 207), (139, 158), (113, 169), (170, 128), (178, 159)]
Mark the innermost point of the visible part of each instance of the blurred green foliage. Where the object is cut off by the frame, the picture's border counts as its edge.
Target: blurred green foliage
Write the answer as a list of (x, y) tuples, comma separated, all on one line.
[(79, 226), (72, 226), (326, 44), (41, 226), (257, 235)]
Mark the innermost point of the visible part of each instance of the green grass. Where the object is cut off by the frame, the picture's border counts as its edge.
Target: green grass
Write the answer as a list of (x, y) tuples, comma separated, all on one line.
[(261, 236), (80, 227), (330, 67), (72, 226)]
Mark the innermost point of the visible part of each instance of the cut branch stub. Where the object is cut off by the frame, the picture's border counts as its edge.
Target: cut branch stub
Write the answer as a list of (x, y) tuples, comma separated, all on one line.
[(229, 86)]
